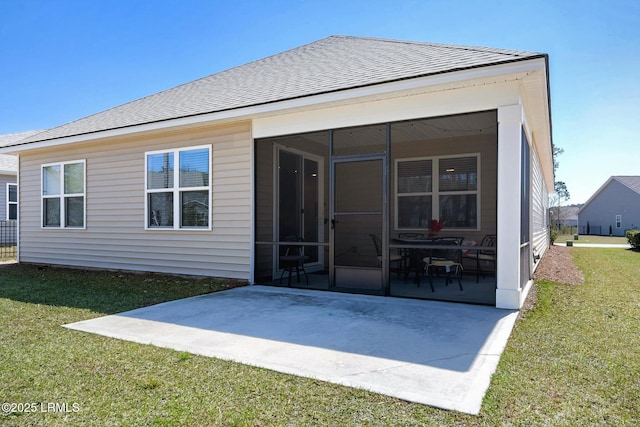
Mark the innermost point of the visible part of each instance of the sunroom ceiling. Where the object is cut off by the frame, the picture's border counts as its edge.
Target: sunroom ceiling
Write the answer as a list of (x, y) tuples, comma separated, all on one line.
[(455, 126)]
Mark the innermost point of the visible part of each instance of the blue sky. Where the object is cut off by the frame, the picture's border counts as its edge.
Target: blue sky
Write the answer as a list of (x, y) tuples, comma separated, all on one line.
[(62, 60)]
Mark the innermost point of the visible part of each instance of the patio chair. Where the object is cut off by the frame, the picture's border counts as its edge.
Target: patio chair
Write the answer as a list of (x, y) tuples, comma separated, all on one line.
[(447, 260), (293, 258), (486, 256), (394, 259), (410, 256)]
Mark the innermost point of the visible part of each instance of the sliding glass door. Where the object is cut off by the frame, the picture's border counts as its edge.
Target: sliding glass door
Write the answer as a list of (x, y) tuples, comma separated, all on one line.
[(299, 192)]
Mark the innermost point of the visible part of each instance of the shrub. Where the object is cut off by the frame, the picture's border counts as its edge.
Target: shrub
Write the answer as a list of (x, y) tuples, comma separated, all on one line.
[(633, 236), (553, 235)]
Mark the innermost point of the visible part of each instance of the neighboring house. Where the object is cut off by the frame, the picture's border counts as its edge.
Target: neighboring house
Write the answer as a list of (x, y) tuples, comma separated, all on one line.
[(8, 187), (566, 216), (344, 142), (9, 192), (613, 208), (8, 177)]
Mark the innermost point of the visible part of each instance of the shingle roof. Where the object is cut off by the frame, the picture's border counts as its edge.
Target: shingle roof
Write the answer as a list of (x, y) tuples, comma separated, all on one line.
[(633, 182), (328, 65), (10, 163), (565, 212), (12, 138)]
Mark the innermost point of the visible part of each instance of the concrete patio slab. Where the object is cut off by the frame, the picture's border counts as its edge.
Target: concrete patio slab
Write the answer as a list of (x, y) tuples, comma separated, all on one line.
[(434, 353)]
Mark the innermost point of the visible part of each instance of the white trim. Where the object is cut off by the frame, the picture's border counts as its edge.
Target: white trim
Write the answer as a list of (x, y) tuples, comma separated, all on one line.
[(177, 190), (64, 195), (435, 189), (9, 202), (252, 208), (508, 290)]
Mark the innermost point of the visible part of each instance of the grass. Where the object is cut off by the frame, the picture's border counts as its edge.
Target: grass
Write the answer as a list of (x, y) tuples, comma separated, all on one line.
[(572, 360), (576, 356), (583, 238)]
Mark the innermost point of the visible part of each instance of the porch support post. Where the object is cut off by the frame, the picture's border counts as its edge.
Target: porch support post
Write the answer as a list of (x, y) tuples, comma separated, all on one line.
[(508, 291)]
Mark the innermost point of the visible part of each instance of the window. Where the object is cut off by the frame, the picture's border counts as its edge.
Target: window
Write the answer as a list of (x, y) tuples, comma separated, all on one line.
[(178, 200), (12, 201), (443, 188), (618, 221), (415, 193), (63, 195)]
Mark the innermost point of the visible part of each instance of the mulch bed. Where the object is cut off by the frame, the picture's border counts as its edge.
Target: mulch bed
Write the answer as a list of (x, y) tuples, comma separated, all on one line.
[(557, 266)]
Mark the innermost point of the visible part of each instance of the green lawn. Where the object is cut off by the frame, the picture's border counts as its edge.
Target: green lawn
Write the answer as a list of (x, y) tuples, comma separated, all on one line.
[(572, 360)]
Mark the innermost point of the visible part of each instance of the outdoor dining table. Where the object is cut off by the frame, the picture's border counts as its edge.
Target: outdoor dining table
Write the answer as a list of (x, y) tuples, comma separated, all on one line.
[(415, 250), (419, 248)]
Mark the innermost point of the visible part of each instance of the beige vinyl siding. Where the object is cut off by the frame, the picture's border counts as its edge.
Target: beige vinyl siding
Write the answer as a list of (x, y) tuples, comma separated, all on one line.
[(115, 235), (539, 205)]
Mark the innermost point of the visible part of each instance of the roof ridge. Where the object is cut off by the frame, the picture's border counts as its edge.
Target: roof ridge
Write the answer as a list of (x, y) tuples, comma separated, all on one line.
[(509, 52), (322, 66)]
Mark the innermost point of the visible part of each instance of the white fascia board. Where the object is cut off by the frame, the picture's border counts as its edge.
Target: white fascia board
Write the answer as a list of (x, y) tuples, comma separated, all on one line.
[(303, 103), (392, 108), (8, 172), (535, 100)]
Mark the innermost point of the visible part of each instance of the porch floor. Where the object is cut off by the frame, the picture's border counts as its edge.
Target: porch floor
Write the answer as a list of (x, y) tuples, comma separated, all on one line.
[(482, 291), (435, 353)]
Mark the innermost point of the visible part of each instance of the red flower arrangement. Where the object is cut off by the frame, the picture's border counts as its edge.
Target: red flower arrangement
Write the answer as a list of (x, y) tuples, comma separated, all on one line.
[(435, 226)]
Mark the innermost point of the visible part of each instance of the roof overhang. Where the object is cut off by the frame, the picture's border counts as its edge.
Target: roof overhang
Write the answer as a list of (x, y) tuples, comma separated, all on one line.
[(536, 100), (529, 71)]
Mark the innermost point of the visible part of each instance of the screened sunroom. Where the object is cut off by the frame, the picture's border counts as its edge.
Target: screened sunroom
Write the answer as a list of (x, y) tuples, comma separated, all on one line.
[(405, 208)]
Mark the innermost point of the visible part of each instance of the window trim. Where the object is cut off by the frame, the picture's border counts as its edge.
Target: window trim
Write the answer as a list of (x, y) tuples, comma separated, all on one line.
[(618, 221), (435, 192), (63, 195), (176, 189), (10, 203)]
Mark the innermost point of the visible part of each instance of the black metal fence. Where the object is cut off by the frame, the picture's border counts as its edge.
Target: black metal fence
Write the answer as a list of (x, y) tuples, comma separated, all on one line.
[(8, 240)]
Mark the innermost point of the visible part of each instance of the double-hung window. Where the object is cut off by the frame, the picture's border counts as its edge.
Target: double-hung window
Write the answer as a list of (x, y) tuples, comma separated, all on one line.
[(414, 202), (12, 201), (63, 195), (445, 188), (178, 188)]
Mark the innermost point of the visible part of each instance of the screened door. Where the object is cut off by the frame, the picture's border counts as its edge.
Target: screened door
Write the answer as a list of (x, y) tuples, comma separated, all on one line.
[(357, 223)]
